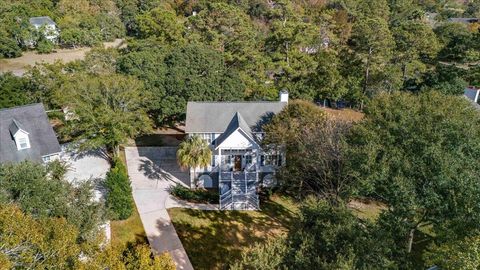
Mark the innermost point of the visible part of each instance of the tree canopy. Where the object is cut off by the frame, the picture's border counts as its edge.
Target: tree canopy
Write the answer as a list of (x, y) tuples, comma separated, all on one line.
[(416, 153)]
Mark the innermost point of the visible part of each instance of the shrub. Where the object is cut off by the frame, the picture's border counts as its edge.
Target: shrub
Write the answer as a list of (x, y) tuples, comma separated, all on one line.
[(194, 195), (45, 46), (8, 46), (119, 192)]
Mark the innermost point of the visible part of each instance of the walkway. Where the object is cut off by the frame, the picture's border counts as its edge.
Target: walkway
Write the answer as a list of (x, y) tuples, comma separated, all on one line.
[(152, 171)]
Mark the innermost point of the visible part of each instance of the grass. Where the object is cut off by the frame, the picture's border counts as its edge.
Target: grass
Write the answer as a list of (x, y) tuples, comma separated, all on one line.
[(128, 231), (215, 239), (366, 209)]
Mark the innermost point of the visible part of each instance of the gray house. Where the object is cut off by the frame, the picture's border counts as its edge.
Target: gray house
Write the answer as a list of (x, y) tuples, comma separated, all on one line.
[(50, 29), (234, 132), (26, 134)]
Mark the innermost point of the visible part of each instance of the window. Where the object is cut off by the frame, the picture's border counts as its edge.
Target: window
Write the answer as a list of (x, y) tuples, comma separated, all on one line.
[(209, 137), (248, 159), (46, 158), (213, 161), (23, 143), (262, 160), (229, 159)]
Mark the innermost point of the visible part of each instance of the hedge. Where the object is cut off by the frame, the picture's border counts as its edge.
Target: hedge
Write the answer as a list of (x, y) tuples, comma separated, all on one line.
[(119, 200)]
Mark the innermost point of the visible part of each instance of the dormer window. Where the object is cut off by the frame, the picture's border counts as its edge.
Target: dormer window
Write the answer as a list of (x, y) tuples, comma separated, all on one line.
[(19, 135), (23, 143)]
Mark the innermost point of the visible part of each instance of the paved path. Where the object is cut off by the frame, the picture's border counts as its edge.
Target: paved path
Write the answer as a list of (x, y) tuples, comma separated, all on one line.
[(153, 170)]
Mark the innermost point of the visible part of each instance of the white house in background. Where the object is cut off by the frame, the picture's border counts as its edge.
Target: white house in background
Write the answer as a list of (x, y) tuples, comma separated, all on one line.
[(26, 134), (239, 164), (50, 29)]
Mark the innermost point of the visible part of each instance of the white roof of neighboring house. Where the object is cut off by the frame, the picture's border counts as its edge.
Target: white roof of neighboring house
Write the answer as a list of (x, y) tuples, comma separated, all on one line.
[(45, 20)]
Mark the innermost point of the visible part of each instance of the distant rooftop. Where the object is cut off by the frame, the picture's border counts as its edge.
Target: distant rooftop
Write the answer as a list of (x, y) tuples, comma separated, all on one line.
[(41, 21), (464, 20)]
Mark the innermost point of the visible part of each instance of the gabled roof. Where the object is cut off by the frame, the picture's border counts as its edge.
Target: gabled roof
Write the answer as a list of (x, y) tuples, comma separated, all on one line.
[(41, 21), (235, 124), (214, 117), (32, 119)]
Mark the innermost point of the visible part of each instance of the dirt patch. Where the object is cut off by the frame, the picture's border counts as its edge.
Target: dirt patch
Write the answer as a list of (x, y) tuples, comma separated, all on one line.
[(344, 114), (19, 65)]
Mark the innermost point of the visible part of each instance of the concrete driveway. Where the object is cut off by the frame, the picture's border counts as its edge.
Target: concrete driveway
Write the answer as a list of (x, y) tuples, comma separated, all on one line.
[(153, 170)]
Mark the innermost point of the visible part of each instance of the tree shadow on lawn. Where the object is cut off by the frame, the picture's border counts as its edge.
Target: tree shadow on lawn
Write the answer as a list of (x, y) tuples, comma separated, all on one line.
[(215, 239)]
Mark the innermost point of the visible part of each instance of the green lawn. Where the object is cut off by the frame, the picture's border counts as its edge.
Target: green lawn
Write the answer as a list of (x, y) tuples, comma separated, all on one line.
[(215, 239), (128, 231)]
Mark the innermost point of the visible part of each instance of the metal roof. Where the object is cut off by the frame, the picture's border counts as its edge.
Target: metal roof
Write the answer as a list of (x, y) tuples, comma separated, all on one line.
[(32, 119), (41, 21), (215, 117)]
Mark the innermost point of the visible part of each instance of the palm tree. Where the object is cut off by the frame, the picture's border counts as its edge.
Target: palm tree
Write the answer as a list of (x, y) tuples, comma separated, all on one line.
[(192, 153)]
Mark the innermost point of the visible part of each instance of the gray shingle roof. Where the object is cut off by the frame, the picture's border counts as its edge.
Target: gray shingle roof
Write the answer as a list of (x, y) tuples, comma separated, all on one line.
[(32, 119), (214, 117), (236, 123), (41, 21)]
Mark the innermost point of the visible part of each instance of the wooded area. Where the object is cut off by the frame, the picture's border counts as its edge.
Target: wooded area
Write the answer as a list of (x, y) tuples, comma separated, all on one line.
[(403, 63)]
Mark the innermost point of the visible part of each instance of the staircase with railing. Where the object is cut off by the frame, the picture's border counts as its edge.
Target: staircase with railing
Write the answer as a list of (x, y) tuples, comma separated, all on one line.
[(238, 190)]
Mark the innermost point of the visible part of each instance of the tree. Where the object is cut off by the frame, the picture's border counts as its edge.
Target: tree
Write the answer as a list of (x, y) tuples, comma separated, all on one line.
[(415, 153), (162, 24), (192, 153), (415, 43), (325, 237), (329, 80), (373, 44), (109, 109), (225, 28), (12, 91), (331, 237), (456, 41), (181, 74), (38, 243), (461, 254), (267, 256), (314, 150), (44, 192)]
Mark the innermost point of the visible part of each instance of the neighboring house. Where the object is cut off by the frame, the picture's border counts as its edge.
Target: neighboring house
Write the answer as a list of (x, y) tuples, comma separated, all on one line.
[(26, 134), (472, 93), (50, 30), (464, 20), (234, 132)]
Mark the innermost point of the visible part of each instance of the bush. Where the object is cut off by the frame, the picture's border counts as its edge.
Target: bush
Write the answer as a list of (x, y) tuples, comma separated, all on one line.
[(119, 192), (8, 46), (45, 46), (194, 195)]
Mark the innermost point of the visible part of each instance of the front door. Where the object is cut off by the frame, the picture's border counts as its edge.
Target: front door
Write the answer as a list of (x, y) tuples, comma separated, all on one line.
[(237, 163)]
